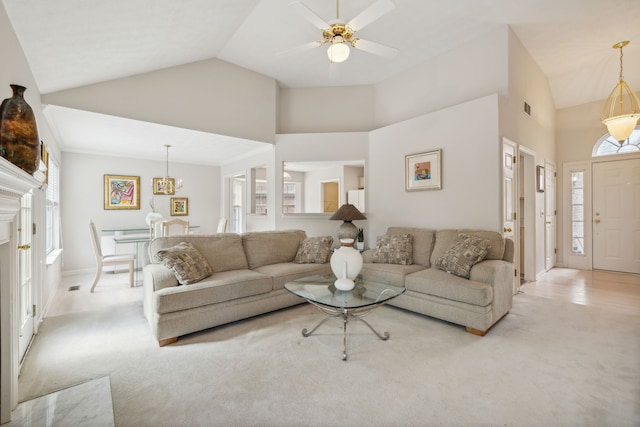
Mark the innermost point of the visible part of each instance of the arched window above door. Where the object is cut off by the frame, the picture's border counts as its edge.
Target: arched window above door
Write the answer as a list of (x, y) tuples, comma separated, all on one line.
[(607, 145)]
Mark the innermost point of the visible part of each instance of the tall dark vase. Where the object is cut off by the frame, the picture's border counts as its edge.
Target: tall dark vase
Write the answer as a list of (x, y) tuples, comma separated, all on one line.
[(19, 142)]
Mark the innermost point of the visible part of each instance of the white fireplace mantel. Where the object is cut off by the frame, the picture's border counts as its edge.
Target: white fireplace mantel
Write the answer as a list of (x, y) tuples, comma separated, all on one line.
[(14, 183)]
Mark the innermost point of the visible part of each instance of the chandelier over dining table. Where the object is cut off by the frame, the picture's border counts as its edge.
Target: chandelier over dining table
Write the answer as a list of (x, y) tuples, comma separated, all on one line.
[(168, 185)]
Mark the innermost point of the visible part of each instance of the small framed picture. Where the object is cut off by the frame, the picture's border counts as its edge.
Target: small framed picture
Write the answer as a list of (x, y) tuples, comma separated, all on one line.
[(540, 179), (158, 189), (179, 206), (121, 192), (423, 171)]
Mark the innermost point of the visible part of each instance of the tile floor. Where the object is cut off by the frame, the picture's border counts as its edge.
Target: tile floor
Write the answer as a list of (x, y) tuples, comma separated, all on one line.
[(87, 404)]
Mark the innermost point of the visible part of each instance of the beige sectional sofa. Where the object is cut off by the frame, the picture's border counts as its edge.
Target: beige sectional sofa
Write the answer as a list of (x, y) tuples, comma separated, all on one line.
[(476, 303), (249, 273)]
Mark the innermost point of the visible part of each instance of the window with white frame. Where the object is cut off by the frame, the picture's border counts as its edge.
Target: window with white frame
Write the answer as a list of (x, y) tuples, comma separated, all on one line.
[(608, 145), (53, 207), (236, 207), (577, 213)]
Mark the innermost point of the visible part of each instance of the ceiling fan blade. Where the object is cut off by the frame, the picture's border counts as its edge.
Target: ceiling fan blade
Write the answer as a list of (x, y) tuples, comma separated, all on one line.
[(310, 15), (370, 14), (376, 48), (299, 49)]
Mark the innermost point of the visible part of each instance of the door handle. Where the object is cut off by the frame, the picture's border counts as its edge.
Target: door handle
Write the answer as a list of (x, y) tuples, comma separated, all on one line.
[(507, 230), (548, 222), (24, 247), (597, 221)]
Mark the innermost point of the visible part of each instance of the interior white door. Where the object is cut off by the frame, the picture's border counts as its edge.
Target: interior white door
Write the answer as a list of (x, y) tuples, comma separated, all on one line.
[(25, 273), (509, 194), (550, 216), (616, 217)]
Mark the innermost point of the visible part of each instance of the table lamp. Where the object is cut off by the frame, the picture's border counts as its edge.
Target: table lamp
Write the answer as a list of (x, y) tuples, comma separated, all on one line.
[(347, 230)]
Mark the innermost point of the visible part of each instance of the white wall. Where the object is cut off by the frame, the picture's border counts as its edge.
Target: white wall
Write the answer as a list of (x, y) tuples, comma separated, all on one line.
[(317, 147), (243, 166), (474, 69), (470, 197), (82, 198), (326, 109), (16, 70), (210, 96)]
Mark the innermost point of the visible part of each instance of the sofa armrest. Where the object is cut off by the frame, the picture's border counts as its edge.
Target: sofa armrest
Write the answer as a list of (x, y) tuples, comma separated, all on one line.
[(367, 256), (491, 271), (157, 276)]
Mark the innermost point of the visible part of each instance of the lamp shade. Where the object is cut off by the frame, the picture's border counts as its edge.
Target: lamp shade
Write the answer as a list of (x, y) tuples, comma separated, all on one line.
[(347, 212), (621, 110), (347, 230), (620, 127)]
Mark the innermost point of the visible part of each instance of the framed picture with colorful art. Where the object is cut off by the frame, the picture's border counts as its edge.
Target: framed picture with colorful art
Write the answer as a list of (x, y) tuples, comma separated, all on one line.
[(423, 171), (121, 192), (179, 206), (158, 188)]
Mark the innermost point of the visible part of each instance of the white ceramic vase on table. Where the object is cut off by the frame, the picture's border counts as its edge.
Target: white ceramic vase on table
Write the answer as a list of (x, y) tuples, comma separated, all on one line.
[(346, 263)]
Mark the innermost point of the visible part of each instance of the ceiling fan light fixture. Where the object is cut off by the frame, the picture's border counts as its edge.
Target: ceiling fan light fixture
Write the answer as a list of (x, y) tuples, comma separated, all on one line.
[(621, 118), (338, 51)]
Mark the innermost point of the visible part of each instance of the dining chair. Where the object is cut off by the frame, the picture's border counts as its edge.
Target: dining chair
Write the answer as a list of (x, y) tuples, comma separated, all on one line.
[(155, 228), (108, 260), (222, 225), (173, 227)]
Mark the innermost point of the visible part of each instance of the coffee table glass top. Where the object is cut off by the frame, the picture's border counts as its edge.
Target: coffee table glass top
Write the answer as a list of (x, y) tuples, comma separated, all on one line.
[(320, 290)]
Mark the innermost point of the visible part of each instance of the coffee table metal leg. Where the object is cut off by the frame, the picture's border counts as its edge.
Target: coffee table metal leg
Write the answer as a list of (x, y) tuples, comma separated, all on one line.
[(345, 319), (384, 336), (345, 314), (306, 334)]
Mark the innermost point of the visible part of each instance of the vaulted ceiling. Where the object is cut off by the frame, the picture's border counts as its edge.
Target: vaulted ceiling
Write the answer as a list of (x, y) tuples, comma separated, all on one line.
[(72, 43)]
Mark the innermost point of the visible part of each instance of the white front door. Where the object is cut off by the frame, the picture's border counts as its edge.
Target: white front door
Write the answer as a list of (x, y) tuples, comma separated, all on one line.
[(550, 255), (509, 195), (25, 281), (616, 217)]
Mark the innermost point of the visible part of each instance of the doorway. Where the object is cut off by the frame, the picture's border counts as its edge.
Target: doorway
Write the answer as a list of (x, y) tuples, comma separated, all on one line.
[(527, 214), (614, 223), (330, 196)]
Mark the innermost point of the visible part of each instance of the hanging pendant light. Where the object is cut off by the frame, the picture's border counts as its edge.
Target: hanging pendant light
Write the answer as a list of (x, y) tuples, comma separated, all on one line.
[(167, 184), (621, 118)]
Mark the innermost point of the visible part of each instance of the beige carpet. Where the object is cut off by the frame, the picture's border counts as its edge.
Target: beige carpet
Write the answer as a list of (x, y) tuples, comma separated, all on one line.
[(546, 363)]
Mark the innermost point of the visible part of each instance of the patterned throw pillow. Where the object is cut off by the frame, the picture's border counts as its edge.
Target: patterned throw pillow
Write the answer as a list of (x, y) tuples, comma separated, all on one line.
[(314, 250), (464, 253), (187, 263), (394, 249)]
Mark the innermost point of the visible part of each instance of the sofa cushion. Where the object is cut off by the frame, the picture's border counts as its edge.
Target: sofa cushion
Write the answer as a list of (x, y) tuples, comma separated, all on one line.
[(433, 281), (394, 274), (219, 287), (463, 254), (423, 240), (271, 247), (187, 263), (223, 251), (288, 271), (394, 249), (314, 250), (445, 238)]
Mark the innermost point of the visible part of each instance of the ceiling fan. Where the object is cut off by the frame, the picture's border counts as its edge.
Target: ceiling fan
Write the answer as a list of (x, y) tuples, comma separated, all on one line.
[(339, 35)]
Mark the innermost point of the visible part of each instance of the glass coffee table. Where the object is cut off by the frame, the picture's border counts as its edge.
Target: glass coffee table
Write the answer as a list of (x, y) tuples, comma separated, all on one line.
[(353, 304)]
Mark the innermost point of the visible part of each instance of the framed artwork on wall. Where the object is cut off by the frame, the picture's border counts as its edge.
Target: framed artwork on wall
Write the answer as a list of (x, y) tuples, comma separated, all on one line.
[(158, 189), (121, 192), (540, 179), (179, 206), (423, 171)]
